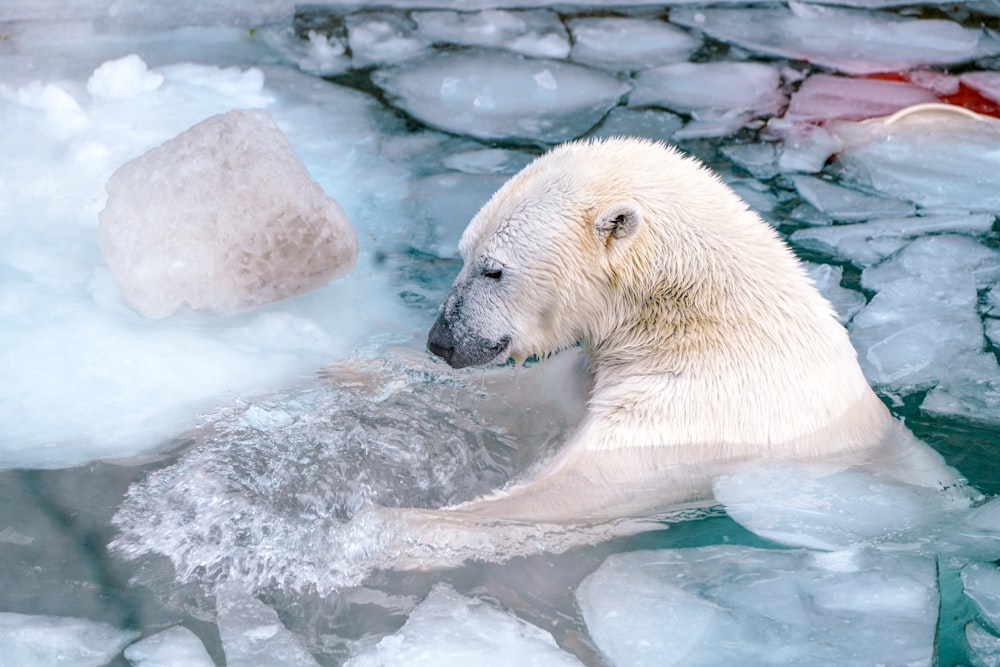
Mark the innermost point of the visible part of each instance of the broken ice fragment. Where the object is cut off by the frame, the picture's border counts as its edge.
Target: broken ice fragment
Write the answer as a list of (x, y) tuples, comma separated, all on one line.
[(451, 630), (497, 95), (733, 604), (849, 40), (223, 217), (533, 32), (173, 647), (626, 43)]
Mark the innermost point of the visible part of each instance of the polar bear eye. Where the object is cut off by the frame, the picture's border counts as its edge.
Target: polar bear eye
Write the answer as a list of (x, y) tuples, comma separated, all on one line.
[(493, 274)]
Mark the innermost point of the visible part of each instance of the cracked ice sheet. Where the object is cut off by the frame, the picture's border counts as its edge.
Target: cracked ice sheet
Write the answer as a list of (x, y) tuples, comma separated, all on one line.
[(922, 330), (847, 40), (726, 605)]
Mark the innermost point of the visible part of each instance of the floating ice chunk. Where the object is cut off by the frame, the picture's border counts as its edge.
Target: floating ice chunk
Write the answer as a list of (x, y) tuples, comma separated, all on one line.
[(936, 156), (823, 97), (324, 55), (648, 123), (981, 582), (123, 78), (930, 256), (450, 630), (726, 605), (629, 44), (846, 302), (823, 506), (922, 329), (720, 97), (382, 37), (538, 33), (173, 647), (498, 95), (758, 159), (844, 204), (848, 40), (986, 84), (223, 217), (983, 645), (59, 640), (152, 14), (869, 243), (253, 635)]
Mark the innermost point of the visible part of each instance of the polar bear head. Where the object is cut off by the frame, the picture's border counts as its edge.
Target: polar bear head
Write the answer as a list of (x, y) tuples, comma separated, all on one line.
[(592, 240)]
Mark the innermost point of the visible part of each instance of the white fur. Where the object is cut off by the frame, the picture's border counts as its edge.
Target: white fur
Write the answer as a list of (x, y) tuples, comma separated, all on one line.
[(707, 342)]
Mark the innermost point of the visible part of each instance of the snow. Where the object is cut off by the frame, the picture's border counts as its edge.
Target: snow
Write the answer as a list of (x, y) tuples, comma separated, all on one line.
[(847, 40), (173, 647), (450, 630), (169, 231), (733, 604), (934, 158), (52, 640), (495, 95)]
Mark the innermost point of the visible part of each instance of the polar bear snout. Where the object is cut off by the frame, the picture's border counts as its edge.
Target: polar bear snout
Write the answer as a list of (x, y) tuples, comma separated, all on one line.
[(462, 348)]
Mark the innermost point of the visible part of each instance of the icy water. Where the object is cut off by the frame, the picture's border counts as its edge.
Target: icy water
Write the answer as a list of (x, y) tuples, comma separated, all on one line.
[(192, 490)]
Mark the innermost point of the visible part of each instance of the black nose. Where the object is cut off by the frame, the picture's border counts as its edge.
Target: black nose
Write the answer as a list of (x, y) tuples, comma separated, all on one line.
[(445, 353)]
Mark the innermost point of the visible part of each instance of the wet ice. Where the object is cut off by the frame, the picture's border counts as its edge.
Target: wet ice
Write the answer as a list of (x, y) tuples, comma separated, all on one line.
[(450, 630), (50, 640), (173, 647), (721, 605)]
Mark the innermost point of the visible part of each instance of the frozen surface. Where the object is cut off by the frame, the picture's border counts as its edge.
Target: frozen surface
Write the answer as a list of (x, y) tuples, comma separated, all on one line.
[(628, 44), (847, 40), (828, 278), (450, 630), (223, 218), (494, 95), (55, 640), (984, 645), (725, 605), (173, 647)]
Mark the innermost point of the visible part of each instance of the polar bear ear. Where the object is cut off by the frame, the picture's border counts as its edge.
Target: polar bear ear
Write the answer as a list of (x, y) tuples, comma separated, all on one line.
[(618, 221)]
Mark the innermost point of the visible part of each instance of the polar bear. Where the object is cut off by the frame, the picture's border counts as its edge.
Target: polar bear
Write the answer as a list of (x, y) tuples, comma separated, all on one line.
[(706, 342)]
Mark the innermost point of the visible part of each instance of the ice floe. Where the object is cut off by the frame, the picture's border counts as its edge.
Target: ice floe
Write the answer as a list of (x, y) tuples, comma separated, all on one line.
[(730, 604), (496, 95), (169, 231), (253, 635), (721, 97), (53, 640), (450, 630), (848, 40), (537, 32), (628, 43), (173, 647)]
